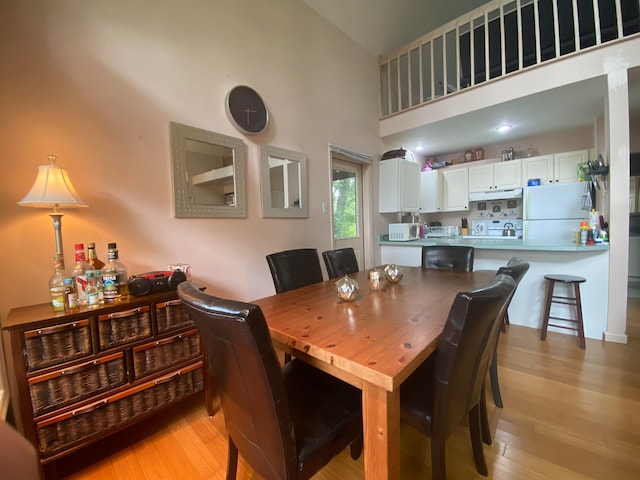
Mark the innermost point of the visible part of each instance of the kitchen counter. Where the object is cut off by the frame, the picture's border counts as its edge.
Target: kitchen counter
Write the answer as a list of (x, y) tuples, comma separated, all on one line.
[(499, 244), (590, 262)]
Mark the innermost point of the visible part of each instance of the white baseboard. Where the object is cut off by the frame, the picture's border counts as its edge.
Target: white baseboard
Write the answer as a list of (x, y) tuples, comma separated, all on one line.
[(615, 337)]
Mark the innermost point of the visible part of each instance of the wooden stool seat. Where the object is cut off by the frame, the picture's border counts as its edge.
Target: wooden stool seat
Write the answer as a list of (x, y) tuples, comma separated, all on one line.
[(572, 301)]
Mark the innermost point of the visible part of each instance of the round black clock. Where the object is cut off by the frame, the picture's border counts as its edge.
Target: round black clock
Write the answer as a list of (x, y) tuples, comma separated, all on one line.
[(246, 110)]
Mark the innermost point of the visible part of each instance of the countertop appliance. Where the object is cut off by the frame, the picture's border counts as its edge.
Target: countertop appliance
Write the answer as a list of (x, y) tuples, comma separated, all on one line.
[(404, 232), (495, 228), (554, 212)]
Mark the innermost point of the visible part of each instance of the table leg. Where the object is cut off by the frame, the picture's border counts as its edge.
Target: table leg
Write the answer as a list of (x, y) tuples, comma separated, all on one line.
[(381, 418)]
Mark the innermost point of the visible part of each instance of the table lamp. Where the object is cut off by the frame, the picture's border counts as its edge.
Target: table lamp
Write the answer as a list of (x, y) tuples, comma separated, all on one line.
[(53, 189)]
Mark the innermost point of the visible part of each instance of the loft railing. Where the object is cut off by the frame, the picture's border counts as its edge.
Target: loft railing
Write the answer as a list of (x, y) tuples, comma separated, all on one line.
[(497, 39)]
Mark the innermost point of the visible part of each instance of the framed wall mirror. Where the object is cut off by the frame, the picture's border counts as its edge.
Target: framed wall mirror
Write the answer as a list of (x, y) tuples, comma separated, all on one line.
[(283, 182), (208, 173)]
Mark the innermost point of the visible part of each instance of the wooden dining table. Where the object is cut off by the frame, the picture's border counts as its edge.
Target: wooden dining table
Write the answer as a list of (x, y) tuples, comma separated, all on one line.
[(374, 342)]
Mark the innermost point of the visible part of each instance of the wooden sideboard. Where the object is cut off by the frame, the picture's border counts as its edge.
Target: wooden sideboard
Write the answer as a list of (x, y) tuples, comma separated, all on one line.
[(75, 378)]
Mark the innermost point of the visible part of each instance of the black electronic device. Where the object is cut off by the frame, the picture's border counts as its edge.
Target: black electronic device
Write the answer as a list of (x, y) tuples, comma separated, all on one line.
[(154, 282)]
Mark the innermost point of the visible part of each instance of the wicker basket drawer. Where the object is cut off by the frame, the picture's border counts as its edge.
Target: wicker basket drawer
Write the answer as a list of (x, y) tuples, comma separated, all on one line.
[(172, 315), (123, 327), (75, 426), (78, 382), (164, 353), (58, 344)]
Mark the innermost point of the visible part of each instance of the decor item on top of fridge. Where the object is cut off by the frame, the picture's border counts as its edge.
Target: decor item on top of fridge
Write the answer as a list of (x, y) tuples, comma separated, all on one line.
[(553, 212), (399, 153)]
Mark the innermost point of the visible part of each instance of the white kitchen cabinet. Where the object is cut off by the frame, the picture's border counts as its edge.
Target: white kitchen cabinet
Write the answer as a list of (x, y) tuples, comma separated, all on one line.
[(430, 191), (455, 189), (537, 167), (565, 165), (495, 176), (557, 168), (399, 186)]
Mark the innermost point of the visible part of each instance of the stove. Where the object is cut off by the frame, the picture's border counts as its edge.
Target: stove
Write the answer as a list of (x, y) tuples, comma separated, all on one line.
[(492, 229)]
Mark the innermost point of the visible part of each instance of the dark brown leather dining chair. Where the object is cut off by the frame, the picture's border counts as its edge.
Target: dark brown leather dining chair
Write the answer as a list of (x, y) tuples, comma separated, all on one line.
[(516, 267), (287, 421), (294, 268), (341, 261), (448, 386), (18, 457), (448, 257), (291, 269)]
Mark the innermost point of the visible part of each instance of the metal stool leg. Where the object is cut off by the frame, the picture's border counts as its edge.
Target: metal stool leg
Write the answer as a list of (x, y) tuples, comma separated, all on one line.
[(547, 310)]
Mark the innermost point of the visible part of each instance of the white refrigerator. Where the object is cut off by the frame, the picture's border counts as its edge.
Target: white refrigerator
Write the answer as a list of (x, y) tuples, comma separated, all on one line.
[(554, 212)]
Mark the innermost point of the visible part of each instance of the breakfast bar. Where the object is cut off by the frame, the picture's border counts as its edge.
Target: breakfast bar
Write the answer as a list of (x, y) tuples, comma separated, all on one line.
[(590, 262)]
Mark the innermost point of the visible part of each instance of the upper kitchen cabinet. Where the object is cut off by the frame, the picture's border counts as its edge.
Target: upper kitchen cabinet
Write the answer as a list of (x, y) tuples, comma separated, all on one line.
[(455, 189), (399, 186), (557, 168), (495, 176), (430, 191)]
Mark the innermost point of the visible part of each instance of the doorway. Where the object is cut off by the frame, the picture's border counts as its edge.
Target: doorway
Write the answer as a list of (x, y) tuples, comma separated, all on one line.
[(348, 213), (346, 207)]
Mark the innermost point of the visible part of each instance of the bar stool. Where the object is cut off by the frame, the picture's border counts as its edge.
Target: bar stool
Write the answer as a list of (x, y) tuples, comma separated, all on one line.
[(573, 301)]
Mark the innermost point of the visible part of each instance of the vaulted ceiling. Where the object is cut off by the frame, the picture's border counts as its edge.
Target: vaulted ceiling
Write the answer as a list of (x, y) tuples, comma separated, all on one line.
[(381, 26), (384, 25)]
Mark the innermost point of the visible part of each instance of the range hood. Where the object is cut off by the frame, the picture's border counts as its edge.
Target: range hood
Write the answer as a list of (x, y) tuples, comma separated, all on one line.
[(495, 195)]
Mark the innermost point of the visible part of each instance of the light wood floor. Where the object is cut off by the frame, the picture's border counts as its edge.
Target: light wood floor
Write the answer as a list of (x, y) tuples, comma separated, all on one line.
[(568, 414)]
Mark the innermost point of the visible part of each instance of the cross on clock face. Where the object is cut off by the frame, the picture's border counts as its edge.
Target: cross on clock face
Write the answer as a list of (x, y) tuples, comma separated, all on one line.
[(246, 110)]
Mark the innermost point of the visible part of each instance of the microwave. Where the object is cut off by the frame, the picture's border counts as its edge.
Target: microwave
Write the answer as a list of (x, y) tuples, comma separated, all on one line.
[(404, 232)]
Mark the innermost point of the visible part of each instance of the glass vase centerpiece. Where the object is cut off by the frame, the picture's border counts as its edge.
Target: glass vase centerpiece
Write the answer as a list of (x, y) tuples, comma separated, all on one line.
[(347, 289), (393, 273)]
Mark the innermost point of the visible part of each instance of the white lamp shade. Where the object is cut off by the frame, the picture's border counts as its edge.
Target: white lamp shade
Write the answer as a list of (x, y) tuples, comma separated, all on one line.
[(52, 188)]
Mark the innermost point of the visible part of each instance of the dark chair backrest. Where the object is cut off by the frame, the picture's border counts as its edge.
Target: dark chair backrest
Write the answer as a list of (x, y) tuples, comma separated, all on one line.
[(448, 257), (341, 261), (516, 267), (294, 268), (466, 350), (248, 379), (18, 457)]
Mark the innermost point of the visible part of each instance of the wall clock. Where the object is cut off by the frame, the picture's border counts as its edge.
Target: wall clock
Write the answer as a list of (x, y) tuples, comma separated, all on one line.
[(246, 110)]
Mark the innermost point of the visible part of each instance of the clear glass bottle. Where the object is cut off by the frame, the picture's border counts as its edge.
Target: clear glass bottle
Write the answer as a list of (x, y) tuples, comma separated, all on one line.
[(79, 273), (100, 286), (70, 296), (123, 276), (56, 283), (93, 257), (114, 276), (91, 291)]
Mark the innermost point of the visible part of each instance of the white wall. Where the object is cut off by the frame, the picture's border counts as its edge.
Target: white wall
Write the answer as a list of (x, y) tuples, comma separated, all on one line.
[(97, 84)]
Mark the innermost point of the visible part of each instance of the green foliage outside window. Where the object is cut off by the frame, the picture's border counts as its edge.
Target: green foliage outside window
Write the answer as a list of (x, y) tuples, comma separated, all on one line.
[(344, 208)]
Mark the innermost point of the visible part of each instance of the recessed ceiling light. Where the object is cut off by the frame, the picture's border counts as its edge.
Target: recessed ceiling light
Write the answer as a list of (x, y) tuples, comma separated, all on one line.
[(419, 148), (504, 128)]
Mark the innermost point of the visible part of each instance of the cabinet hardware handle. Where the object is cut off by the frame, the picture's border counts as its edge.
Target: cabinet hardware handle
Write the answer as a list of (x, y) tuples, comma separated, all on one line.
[(170, 303), (55, 328), (79, 368), (168, 340), (168, 378), (124, 313), (90, 408)]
